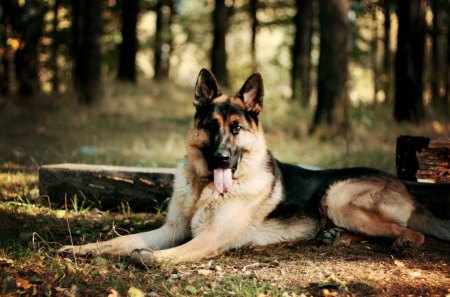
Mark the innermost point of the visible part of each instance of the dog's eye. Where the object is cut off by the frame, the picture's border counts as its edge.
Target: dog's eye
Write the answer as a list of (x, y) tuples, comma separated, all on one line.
[(236, 129)]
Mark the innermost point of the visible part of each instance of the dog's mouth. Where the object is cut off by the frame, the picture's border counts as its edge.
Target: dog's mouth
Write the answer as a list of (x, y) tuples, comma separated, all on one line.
[(223, 179)]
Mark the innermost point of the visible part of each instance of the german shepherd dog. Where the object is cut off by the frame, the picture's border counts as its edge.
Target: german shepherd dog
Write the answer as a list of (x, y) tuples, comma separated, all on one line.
[(230, 191)]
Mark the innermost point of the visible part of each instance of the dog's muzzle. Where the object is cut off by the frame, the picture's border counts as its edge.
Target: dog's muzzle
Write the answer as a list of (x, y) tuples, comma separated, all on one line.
[(225, 163)]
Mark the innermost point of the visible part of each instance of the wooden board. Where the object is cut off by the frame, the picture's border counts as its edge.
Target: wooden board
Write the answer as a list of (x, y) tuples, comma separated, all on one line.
[(107, 187)]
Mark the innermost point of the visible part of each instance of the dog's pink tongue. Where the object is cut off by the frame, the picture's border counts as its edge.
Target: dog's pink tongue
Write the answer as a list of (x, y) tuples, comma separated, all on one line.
[(222, 180)]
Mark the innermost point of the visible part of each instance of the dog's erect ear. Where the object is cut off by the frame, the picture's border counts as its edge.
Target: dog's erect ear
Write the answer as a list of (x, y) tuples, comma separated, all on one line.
[(206, 88), (252, 93)]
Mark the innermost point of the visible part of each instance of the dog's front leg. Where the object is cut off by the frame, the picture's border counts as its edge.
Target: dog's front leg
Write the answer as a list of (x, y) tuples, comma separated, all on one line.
[(215, 229), (174, 231), (164, 237)]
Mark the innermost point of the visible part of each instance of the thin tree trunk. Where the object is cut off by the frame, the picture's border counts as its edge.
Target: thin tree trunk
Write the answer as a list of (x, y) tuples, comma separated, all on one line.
[(5, 61), (387, 59), (30, 27), (128, 47), (374, 42), (254, 22), (435, 81), (55, 46), (409, 62), (332, 110), (87, 24), (446, 98), (163, 39), (221, 16), (301, 52)]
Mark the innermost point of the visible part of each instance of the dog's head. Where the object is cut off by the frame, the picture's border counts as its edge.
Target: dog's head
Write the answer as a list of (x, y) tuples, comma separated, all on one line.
[(224, 128)]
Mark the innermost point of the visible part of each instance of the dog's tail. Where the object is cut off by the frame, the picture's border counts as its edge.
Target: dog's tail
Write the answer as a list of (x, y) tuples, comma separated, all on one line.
[(424, 221)]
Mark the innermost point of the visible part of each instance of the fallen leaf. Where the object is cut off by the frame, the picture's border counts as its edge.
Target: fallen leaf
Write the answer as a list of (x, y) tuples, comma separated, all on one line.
[(23, 283), (174, 290), (204, 272), (135, 292), (114, 293)]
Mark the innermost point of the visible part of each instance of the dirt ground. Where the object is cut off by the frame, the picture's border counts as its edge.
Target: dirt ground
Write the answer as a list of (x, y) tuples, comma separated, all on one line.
[(30, 266)]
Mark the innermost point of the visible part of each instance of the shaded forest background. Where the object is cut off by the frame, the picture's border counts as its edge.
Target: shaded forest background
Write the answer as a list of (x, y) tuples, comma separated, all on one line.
[(323, 55)]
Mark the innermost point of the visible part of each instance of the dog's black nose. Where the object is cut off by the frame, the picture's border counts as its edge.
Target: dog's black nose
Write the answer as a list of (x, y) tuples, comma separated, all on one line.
[(222, 158)]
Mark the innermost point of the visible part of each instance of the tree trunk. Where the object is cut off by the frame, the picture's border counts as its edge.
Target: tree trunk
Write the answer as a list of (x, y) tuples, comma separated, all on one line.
[(29, 25), (301, 52), (253, 9), (87, 25), (128, 47), (435, 67), (163, 38), (221, 16), (374, 43), (55, 46), (387, 59), (409, 61), (5, 28), (332, 109), (446, 99)]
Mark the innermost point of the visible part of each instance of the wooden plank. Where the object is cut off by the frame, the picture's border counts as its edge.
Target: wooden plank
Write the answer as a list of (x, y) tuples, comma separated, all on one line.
[(107, 187)]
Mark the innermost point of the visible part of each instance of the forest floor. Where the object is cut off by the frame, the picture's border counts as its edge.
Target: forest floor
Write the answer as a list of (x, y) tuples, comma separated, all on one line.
[(134, 128)]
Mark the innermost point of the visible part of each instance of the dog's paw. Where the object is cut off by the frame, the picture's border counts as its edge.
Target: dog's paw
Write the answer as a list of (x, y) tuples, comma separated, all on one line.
[(331, 236), (144, 256), (402, 245)]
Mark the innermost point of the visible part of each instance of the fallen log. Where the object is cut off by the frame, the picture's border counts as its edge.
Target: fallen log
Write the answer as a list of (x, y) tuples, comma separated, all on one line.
[(146, 189), (107, 187)]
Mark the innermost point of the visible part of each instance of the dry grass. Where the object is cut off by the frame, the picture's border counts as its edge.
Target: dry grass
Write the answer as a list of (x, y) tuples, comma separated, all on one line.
[(145, 126)]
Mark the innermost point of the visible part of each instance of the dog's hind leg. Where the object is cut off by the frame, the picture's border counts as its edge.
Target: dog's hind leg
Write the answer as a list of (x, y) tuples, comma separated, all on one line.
[(375, 206)]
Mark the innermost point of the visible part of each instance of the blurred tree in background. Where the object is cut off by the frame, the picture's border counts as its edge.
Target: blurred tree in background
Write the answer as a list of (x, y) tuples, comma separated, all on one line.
[(222, 12), (332, 95), (163, 38), (129, 45), (410, 61), (301, 53), (323, 57), (87, 31)]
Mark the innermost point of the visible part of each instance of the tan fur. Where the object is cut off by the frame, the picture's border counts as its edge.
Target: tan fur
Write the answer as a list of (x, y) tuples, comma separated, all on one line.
[(376, 206)]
